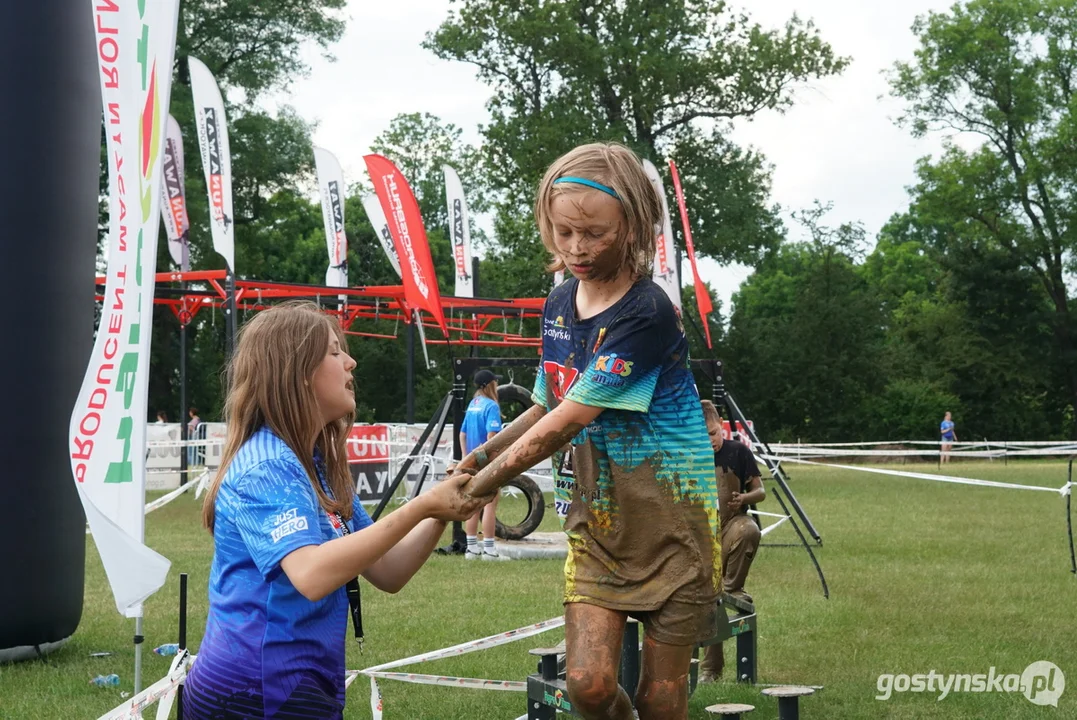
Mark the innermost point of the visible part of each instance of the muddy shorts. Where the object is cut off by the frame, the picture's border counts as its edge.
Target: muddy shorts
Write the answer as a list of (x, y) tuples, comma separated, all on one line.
[(676, 622)]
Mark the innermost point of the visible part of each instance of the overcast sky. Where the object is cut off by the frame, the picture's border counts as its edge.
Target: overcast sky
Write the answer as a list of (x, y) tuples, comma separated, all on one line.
[(838, 143)]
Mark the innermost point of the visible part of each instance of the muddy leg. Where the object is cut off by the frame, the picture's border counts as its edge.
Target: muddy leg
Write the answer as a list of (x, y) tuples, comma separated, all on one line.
[(592, 655), (663, 683)]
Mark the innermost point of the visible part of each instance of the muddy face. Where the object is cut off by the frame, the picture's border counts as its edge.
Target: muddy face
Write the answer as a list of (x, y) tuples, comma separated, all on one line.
[(587, 234)]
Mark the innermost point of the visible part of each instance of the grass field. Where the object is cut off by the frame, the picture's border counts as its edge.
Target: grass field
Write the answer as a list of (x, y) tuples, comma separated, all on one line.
[(923, 576)]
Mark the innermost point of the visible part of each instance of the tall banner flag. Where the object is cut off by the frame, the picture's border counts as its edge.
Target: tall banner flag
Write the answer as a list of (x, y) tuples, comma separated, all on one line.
[(666, 273), (703, 297), (216, 158), (331, 185), (136, 42), (409, 237), (173, 202), (381, 228), (459, 233)]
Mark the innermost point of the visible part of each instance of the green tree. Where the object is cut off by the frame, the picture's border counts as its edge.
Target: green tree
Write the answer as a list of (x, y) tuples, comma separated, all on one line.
[(805, 337), (251, 48), (967, 331), (665, 77), (254, 45), (420, 144), (1004, 70)]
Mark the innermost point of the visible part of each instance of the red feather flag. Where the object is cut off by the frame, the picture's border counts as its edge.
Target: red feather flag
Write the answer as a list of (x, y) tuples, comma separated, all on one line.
[(703, 297), (409, 237)]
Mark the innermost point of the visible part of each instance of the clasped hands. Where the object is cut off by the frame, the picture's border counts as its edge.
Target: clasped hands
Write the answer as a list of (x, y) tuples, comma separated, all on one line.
[(451, 500), (463, 472)]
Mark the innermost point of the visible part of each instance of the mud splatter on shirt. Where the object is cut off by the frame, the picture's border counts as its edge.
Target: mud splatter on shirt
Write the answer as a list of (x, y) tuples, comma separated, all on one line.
[(636, 490)]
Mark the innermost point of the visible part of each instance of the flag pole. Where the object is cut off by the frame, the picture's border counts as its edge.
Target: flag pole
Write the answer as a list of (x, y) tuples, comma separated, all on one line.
[(138, 651)]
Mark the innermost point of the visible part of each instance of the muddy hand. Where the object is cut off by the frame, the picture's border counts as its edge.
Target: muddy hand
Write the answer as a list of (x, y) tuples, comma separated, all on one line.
[(467, 464), (474, 487), (450, 502)]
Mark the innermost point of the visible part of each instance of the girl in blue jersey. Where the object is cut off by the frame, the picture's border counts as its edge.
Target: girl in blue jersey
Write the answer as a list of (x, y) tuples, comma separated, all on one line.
[(288, 528), (618, 409), (946, 430), (482, 421)]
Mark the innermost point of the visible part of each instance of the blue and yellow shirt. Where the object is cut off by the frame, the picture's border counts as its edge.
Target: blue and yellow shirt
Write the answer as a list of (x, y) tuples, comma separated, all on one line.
[(636, 493)]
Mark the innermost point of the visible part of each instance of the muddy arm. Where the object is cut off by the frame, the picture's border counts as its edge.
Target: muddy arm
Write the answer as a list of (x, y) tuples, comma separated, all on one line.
[(552, 431), (504, 439)]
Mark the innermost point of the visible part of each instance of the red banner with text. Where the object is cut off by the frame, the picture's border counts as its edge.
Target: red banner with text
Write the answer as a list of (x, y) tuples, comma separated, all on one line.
[(368, 459), (409, 237)]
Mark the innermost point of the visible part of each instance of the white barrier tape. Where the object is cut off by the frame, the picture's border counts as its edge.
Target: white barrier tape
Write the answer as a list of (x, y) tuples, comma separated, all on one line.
[(768, 528), (185, 443), (450, 681), (203, 484), (988, 454), (1067, 450), (164, 707), (473, 645), (165, 499), (377, 703), (175, 471), (786, 451), (922, 476), (172, 495), (986, 443), (132, 709)]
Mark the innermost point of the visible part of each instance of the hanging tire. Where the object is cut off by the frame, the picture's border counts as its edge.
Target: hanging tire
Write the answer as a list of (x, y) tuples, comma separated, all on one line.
[(514, 400), (536, 508)]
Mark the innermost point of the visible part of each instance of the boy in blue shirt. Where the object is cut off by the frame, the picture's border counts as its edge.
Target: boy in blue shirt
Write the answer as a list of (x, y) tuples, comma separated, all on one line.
[(482, 421)]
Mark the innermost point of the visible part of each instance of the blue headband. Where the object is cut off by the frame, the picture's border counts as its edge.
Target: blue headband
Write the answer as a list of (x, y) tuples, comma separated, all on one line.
[(589, 183)]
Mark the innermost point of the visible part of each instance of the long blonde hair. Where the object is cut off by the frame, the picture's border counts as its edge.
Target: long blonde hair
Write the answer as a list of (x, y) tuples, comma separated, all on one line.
[(617, 167), (489, 390), (270, 382)]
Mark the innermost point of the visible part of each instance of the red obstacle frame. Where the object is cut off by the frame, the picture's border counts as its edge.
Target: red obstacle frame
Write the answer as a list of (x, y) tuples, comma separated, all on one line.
[(374, 302)]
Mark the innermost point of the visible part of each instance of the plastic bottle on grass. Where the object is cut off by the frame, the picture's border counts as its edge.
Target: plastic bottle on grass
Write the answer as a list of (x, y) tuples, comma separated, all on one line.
[(112, 680), (167, 649)]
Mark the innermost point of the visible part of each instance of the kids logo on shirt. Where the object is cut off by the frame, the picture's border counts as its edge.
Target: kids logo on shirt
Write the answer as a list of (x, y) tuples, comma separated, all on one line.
[(612, 370)]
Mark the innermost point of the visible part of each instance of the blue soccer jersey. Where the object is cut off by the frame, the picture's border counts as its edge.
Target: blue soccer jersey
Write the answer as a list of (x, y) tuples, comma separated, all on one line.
[(946, 427), (483, 417), (268, 651), (636, 493)]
